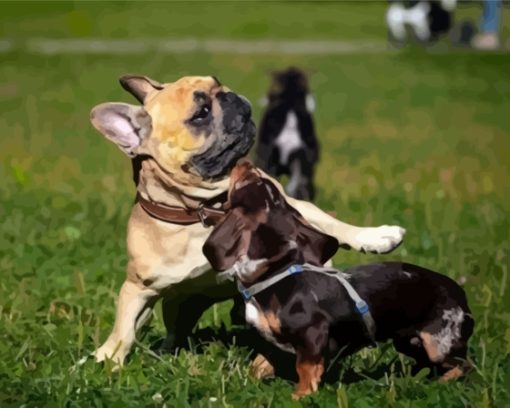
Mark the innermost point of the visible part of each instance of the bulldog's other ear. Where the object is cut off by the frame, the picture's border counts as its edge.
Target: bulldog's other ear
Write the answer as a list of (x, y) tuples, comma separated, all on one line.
[(139, 86), (125, 125)]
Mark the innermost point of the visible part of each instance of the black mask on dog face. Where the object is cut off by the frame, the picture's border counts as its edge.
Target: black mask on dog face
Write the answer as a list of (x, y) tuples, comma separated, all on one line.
[(234, 142)]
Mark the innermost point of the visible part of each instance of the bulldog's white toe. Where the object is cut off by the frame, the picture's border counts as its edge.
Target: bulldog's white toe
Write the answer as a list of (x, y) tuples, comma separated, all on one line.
[(75, 367), (105, 352), (380, 240), (82, 361)]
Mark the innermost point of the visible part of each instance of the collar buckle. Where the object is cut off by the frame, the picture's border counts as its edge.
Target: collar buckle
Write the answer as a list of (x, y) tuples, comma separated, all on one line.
[(202, 215)]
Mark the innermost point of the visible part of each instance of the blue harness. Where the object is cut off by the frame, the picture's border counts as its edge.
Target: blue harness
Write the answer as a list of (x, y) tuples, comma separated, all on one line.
[(360, 304)]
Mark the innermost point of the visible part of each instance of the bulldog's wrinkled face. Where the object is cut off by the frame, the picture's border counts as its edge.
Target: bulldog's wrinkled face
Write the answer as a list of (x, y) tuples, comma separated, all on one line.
[(195, 128)]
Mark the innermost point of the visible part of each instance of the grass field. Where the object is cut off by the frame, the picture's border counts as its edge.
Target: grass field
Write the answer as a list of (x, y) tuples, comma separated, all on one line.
[(418, 138)]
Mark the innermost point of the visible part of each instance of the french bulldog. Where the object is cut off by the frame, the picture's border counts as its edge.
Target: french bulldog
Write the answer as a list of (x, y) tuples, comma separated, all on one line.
[(183, 140)]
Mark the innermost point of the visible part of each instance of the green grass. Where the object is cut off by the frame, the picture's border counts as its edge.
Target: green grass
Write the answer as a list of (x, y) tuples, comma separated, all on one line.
[(416, 138)]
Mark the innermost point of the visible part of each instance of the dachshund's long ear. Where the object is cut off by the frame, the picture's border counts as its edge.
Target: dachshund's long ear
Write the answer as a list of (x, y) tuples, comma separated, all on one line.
[(315, 245), (227, 242)]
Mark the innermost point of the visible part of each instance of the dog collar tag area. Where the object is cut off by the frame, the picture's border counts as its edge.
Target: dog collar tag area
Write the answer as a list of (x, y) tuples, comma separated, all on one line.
[(204, 214)]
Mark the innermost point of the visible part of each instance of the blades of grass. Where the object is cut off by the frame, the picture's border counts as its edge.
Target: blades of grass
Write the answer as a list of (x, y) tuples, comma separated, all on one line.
[(334, 359), (341, 397)]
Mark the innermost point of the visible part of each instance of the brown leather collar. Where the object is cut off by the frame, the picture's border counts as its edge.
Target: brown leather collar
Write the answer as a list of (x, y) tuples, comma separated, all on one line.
[(205, 213)]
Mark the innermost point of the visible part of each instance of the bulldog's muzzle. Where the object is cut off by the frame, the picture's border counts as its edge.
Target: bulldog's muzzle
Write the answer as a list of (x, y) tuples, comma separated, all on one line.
[(236, 140)]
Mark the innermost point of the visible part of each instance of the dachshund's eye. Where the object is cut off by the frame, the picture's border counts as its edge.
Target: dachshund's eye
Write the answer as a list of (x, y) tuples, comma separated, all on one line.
[(203, 113)]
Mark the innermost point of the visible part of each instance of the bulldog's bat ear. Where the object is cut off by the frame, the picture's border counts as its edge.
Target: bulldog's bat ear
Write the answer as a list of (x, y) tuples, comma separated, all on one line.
[(139, 86), (125, 125)]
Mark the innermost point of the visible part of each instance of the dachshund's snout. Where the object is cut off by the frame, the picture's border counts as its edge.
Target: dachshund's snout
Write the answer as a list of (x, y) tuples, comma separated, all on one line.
[(240, 171)]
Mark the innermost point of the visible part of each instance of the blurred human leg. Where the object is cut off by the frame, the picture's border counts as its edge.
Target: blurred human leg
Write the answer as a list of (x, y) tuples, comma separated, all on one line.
[(491, 16), (488, 38)]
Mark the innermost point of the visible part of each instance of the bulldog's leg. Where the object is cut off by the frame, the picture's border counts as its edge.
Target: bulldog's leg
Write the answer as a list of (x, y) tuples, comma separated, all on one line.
[(180, 316), (184, 304), (134, 308), (380, 240)]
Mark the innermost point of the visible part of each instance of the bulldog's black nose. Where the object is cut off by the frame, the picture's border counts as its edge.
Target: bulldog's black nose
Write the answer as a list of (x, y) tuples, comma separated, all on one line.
[(230, 100)]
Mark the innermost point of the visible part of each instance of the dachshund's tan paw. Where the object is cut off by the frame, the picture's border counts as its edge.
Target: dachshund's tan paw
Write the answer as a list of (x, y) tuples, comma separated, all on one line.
[(261, 369)]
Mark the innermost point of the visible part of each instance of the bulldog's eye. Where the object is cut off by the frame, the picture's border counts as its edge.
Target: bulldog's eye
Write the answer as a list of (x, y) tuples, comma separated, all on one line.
[(201, 115)]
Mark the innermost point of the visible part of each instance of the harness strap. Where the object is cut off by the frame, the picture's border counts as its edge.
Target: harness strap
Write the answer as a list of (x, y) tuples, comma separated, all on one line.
[(247, 293), (361, 306)]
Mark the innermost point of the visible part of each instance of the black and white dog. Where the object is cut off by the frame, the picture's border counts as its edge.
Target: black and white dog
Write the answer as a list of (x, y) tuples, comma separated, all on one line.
[(428, 19), (287, 144)]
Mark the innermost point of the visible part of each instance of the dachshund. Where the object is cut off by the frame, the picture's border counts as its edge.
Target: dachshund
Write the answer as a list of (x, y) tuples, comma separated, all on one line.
[(304, 308)]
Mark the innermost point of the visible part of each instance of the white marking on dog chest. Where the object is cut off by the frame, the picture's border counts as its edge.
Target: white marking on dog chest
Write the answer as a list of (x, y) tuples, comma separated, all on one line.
[(450, 333), (289, 139), (252, 315)]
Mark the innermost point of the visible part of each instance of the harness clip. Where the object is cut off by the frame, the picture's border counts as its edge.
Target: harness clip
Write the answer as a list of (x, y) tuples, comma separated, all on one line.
[(245, 293), (295, 269), (362, 307)]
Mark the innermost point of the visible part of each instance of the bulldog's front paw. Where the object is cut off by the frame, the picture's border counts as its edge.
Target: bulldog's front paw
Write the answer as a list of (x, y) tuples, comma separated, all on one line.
[(380, 240), (105, 352)]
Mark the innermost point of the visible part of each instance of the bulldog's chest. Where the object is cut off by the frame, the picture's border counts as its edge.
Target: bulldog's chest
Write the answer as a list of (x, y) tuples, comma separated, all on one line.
[(163, 254)]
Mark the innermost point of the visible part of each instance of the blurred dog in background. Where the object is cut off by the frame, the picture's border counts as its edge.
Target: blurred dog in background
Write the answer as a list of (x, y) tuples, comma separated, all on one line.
[(287, 144), (428, 19)]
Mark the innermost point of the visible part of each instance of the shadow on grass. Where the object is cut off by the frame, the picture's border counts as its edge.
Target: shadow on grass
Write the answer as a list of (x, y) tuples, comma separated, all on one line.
[(337, 369)]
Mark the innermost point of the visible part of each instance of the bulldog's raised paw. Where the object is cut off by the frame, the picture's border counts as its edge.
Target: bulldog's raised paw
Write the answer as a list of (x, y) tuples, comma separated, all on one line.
[(380, 240)]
